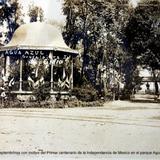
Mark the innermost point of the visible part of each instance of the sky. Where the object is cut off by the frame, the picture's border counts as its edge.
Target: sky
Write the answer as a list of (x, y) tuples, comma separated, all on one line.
[(134, 2), (52, 8)]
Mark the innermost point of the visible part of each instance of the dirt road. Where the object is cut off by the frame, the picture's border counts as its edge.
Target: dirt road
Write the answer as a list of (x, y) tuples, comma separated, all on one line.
[(122, 127)]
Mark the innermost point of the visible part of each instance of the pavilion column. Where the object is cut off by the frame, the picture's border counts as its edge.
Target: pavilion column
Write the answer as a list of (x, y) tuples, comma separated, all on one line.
[(20, 75), (71, 80), (5, 60), (52, 85), (7, 66)]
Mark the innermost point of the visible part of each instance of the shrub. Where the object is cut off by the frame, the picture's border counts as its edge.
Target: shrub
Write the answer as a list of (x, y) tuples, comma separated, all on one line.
[(59, 104), (42, 93), (53, 104), (85, 93), (125, 94), (73, 103)]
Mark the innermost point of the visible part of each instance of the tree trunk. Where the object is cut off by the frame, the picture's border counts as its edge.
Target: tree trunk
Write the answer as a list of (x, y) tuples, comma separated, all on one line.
[(155, 83), (85, 12), (84, 63)]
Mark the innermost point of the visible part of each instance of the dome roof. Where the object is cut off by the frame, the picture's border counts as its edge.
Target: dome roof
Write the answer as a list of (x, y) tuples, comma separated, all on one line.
[(38, 35)]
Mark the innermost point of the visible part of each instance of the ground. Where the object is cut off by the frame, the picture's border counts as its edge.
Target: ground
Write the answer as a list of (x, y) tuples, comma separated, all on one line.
[(118, 126)]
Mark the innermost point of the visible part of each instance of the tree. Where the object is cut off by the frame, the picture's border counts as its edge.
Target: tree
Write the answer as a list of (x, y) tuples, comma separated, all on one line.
[(84, 21), (98, 25), (10, 13), (143, 36), (35, 13)]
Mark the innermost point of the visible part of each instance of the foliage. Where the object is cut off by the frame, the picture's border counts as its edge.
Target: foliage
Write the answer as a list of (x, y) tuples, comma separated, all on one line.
[(51, 104), (97, 27), (85, 93), (11, 15), (42, 92), (143, 36), (35, 13), (95, 23)]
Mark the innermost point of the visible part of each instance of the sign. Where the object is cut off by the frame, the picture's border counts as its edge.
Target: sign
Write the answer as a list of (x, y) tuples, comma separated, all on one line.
[(27, 54)]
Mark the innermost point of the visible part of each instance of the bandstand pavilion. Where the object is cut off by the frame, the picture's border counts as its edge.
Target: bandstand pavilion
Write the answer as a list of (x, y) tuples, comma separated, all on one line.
[(37, 54)]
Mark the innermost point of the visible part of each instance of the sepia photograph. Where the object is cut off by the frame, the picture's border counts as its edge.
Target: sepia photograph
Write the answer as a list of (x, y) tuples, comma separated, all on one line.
[(80, 79)]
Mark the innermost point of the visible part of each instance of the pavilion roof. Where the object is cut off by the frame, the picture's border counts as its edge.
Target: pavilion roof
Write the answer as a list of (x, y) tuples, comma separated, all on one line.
[(38, 36)]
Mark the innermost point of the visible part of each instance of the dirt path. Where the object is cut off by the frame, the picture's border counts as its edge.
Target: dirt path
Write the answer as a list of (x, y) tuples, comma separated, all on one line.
[(118, 126)]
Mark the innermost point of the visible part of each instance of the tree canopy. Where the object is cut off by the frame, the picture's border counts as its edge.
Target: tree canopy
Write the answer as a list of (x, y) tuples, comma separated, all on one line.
[(35, 13), (143, 34), (10, 13), (97, 24)]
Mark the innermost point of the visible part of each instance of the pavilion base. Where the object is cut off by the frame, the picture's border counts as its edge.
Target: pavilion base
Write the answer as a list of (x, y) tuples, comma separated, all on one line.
[(54, 95)]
